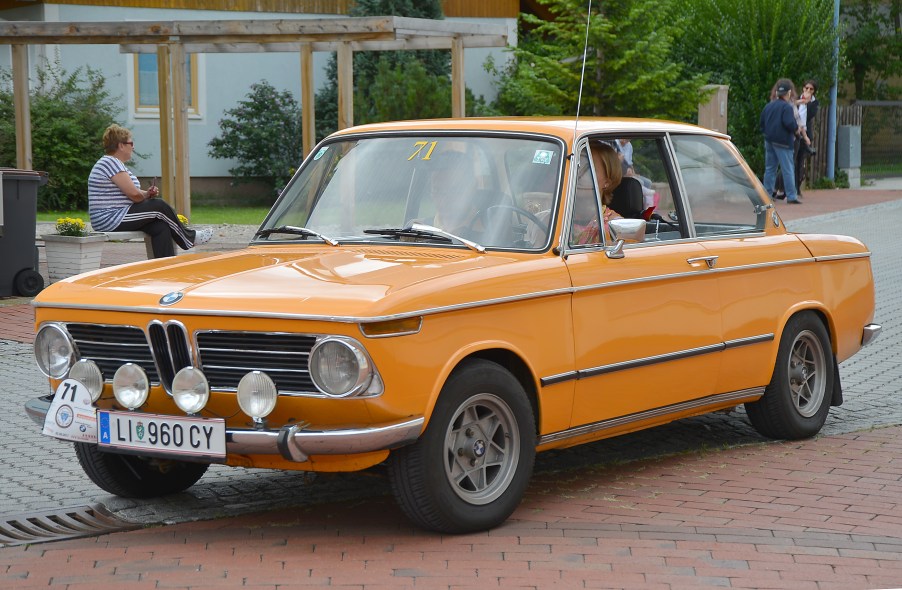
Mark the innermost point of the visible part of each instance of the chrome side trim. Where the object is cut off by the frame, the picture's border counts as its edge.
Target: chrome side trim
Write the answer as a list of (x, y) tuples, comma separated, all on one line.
[(869, 332), (692, 273), (710, 400), (736, 343), (559, 378), (650, 360), (653, 360), (843, 256)]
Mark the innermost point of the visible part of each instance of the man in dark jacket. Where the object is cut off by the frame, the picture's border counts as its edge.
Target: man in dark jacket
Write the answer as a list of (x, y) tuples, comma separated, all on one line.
[(779, 126)]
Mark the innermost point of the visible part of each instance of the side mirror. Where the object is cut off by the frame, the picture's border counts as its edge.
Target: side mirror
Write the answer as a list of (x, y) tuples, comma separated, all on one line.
[(630, 231)]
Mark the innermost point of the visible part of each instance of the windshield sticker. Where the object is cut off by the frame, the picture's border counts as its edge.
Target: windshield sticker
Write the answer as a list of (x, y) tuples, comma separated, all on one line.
[(543, 157), (320, 153), (420, 145)]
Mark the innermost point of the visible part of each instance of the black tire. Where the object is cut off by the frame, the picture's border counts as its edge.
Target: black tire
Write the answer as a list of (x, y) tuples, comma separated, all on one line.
[(470, 468), (28, 282), (796, 402), (130, 476)]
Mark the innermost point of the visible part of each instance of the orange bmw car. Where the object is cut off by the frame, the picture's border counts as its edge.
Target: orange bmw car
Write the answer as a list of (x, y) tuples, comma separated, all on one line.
[(426, 294)]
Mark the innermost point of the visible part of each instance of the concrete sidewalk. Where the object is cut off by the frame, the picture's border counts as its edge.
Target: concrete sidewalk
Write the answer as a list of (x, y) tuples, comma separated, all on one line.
[(818, 514)]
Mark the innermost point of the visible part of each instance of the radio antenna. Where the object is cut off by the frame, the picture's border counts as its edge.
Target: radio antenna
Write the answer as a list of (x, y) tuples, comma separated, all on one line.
[(582, 74)]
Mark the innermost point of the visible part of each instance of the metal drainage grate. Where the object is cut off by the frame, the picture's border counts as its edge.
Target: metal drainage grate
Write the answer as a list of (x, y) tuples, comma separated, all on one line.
[(55, 525)]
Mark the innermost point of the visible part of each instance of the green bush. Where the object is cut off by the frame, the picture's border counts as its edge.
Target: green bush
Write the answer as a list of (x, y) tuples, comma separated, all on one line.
[(69, 113), (841, 181), (263, 133)]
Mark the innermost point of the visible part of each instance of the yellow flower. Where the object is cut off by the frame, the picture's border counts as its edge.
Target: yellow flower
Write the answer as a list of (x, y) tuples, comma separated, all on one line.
[(183, 219), (68, 226)]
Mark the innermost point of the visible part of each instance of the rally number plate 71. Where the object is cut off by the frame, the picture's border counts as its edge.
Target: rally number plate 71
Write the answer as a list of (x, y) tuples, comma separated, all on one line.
[(162, 435)]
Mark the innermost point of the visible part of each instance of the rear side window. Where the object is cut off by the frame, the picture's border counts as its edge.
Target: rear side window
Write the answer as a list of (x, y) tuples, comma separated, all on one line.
[(721, 194)]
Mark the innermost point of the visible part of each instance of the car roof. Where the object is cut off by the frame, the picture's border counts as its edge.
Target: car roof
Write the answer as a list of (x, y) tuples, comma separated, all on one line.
[(558, 126)]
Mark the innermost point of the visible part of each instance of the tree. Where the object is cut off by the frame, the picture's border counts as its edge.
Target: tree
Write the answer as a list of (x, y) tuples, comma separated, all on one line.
[(69, 113), (749, 44), (425, 74), (630, 67), (263, 133), (872, 47)]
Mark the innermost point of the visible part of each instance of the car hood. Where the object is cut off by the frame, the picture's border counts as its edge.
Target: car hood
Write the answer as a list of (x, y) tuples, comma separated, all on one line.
[(327, 282)]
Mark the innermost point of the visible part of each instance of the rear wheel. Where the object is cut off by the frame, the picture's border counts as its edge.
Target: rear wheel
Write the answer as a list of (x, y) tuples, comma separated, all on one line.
[(470, 468), (797, 400), (130, 476)]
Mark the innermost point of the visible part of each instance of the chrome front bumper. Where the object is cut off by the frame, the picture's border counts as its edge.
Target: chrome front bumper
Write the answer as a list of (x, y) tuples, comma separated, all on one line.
[(869, 333), (299, 441)]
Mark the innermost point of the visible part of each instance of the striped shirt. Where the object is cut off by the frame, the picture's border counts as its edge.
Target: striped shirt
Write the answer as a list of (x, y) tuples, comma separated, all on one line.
[(107, 204)]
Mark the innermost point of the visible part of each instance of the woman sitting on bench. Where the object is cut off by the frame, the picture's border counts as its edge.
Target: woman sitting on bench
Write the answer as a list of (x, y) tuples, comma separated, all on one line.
[(116, 201)]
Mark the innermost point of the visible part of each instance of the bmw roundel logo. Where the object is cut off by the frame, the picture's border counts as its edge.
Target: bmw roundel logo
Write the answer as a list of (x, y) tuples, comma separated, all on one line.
[(170, 298)]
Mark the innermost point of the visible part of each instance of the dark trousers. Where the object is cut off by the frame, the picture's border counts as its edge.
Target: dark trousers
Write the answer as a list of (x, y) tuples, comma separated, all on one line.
[(157, 219)]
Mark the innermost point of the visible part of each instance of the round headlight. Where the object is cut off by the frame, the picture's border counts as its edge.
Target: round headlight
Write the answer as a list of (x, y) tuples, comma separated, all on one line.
[(88, 374), (54, 351), (339, 367), (257, 395), (131, 386), (190, 390)]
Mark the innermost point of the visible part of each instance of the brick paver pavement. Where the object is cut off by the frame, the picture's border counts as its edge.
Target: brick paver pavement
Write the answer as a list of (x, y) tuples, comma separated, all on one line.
[(819, 514)]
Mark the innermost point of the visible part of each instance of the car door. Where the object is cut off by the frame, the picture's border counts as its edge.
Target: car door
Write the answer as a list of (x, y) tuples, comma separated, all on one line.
[(760, 268), (647, 332)]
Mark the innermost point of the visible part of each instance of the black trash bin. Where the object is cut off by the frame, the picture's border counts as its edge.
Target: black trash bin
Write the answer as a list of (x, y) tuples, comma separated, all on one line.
[(18, 217)]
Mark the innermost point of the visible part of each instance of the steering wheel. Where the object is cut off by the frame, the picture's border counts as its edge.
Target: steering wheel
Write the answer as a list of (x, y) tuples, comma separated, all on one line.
[(483, 215)]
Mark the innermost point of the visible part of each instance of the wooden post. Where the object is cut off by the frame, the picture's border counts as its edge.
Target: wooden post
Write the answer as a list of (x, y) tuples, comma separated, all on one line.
[(180, 130), (164, 91), (345, 86), (22, 107), (458, 88), (308, 98)]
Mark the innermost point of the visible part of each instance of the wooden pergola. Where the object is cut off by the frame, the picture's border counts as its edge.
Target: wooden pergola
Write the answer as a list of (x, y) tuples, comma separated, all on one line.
[(173, 40)]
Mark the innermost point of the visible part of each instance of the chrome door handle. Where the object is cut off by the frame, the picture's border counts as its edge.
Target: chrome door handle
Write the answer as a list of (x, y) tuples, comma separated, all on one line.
[(711, 261)]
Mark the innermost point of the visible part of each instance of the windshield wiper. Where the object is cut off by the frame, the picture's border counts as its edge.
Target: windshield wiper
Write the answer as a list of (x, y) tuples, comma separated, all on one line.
[(420, 230), (299, 231)]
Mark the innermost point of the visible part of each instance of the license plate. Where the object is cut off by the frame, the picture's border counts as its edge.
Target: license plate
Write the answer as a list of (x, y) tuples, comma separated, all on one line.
[(166, 435)]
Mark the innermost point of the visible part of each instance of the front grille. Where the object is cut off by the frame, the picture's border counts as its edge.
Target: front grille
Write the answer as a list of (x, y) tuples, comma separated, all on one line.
[(113, 346), (225, 357)]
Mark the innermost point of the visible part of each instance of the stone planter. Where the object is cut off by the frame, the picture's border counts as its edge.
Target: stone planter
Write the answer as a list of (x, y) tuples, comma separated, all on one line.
[(71, 255)]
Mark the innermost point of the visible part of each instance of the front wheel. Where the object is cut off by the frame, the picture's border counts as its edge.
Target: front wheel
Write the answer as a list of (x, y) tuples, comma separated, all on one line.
[(137, 477), (470, 468), (796, 402)]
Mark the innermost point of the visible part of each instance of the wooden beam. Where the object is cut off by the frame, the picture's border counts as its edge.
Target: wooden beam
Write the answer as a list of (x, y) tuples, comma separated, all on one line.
[(334, 30), (458, 87), (180, 130), (308, 100), (164, 92), (22, 107), (411, 44), (345, 86), (79, 33)]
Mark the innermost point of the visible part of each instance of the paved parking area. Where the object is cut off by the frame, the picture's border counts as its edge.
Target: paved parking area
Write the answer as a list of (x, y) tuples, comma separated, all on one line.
[(703, 502)]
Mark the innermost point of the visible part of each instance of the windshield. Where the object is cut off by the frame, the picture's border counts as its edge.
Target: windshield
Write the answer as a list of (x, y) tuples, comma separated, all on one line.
[(491, 192)]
